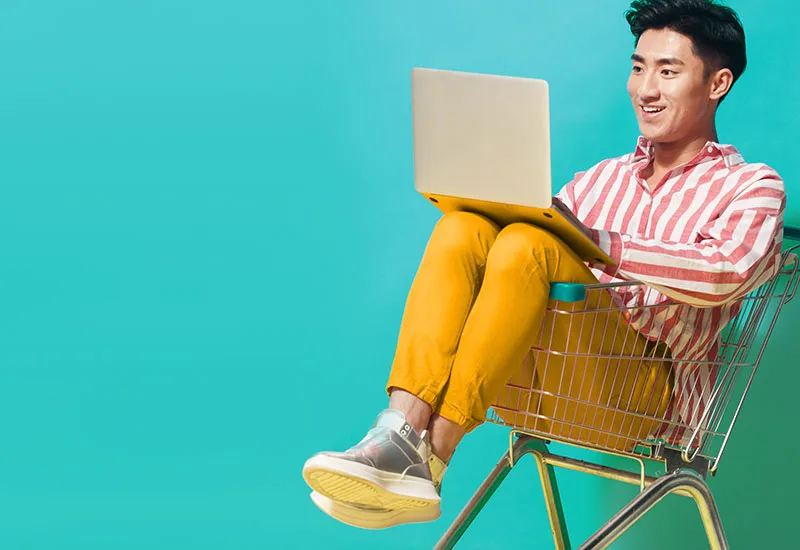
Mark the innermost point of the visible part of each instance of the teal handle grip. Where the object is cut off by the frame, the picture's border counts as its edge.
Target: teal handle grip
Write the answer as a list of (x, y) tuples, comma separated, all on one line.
[(567, 292)]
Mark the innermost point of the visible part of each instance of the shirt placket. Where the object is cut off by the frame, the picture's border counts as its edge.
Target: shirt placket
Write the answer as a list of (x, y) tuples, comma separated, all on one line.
[(648, 198)]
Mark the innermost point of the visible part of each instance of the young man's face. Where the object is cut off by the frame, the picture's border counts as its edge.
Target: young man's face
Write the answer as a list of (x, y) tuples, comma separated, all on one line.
[(669, 88)]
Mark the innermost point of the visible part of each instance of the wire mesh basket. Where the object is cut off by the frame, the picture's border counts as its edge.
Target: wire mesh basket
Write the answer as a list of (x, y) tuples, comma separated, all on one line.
[(622, 368)]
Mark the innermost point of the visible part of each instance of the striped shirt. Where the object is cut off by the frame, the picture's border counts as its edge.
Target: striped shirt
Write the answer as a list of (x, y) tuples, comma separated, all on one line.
[(706, 235)]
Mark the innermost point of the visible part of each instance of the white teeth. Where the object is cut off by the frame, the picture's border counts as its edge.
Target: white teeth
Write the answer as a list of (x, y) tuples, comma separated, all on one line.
[(652, 109)]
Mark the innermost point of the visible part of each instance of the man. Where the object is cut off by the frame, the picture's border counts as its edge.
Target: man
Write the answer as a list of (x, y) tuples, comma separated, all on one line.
[(682, 213)]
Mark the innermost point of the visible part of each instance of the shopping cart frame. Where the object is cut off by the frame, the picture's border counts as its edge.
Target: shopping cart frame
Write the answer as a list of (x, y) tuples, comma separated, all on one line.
[(685, 468)]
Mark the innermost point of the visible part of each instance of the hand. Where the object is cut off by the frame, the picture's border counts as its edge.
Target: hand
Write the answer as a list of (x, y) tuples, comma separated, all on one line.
[(570, 215)]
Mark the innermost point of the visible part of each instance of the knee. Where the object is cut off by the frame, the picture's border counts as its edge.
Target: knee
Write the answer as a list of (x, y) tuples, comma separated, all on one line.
[(519, 245), (458, 230)]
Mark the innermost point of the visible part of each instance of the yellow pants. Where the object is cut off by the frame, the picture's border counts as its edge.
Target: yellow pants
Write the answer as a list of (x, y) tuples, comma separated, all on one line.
[(475, 309)]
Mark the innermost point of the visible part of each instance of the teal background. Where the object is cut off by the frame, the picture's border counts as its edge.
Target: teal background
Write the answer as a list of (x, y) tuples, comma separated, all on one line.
[(208, 229)]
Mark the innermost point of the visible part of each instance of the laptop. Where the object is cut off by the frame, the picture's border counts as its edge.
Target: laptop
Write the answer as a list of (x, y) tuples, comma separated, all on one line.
[(482, 144)]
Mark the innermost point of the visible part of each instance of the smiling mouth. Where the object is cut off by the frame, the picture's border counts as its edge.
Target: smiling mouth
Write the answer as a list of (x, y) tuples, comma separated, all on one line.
[(652, 110)]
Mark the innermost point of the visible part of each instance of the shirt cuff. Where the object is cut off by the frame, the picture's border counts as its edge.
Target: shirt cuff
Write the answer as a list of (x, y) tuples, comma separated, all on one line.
[(613, 245)]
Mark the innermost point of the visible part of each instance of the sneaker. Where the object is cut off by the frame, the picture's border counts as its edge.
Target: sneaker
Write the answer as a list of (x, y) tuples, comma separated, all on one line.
[(387, 470), (366, 517)]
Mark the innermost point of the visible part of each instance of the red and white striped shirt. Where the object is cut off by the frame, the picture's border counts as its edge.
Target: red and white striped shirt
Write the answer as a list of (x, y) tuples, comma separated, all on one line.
[(706, 235)]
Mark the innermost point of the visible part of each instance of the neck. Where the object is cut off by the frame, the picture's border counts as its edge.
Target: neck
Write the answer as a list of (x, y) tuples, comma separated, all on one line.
[(670, 155)]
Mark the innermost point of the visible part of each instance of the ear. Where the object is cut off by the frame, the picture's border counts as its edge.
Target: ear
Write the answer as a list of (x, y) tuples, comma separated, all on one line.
[(721, 82)]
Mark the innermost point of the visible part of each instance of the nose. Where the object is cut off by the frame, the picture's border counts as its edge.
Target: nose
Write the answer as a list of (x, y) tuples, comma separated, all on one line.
[(648, 88)]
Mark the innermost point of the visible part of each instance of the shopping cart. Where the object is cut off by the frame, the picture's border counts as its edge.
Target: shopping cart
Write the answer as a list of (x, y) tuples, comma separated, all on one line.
[(577, 392)]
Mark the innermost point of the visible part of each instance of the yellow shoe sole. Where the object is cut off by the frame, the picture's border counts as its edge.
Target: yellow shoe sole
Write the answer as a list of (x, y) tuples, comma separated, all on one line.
[(353, 483), (372, 518)]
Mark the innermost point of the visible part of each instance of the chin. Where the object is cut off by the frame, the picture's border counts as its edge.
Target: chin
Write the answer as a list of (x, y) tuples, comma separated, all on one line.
[(654, 136)]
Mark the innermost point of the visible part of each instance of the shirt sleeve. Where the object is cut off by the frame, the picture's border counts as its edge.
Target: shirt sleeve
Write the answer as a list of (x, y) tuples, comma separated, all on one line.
[(735, 252)]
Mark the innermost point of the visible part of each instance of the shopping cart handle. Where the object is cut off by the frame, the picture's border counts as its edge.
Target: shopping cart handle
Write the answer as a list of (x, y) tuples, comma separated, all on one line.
[(790, 232), (575, 292), (567, 292)]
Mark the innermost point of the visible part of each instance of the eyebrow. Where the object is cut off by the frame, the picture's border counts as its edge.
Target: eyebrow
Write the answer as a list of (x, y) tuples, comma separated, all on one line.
[(663, 61)]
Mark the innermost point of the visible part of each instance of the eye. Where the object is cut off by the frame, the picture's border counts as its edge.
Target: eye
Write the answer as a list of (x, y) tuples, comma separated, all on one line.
[(636, 69), (667, 72)]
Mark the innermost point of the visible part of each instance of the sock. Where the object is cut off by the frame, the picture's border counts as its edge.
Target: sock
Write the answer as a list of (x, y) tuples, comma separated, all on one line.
[(438, 468)]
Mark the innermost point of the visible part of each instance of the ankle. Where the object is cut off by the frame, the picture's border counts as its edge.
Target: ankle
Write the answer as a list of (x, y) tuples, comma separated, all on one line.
[(445, 435), (416, 411), (443, 452)]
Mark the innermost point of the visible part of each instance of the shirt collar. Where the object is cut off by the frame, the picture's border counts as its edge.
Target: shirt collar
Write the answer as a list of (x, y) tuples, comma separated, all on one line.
[(711, 151), (644, 149)]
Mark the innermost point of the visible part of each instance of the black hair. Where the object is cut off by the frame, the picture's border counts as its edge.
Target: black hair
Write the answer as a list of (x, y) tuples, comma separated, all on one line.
[(715, 30)]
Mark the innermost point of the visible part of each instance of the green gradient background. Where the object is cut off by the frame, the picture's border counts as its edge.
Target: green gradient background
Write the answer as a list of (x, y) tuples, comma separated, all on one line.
[(208, 230)]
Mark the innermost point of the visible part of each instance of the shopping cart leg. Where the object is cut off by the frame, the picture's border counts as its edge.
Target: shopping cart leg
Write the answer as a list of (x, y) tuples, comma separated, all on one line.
[(686, 481), (552, 498), (524, 445)]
